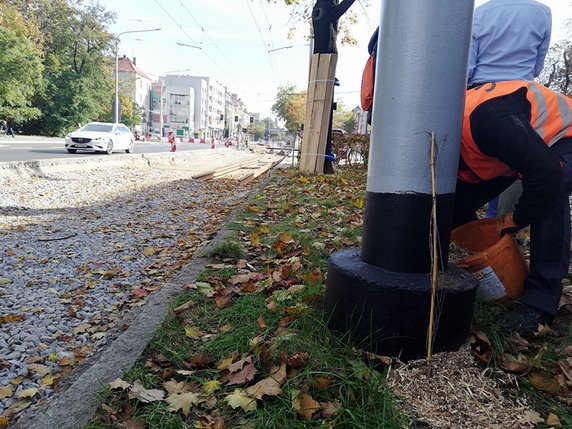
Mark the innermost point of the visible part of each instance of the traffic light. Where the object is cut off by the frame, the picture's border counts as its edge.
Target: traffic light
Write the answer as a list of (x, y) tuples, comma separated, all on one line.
[(252, 120), (236, 119), (221, 116)]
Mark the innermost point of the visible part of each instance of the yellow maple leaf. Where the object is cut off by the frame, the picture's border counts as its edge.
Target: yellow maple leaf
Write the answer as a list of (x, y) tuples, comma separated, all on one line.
[(193, 332), (239, 398), (211, 386)]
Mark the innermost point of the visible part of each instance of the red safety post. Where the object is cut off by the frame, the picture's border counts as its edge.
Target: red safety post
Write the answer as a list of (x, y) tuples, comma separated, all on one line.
[(172, 141)]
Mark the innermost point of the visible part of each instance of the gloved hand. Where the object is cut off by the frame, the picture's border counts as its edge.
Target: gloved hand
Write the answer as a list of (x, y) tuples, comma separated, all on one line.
[(506, 225)]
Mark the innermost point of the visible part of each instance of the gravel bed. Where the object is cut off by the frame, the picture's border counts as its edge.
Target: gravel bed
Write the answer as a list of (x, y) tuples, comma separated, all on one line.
[(78, 250)]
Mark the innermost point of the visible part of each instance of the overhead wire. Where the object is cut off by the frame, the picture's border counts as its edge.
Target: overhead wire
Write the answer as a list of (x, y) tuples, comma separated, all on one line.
[(212, 41), (195, 43), (264, 43)]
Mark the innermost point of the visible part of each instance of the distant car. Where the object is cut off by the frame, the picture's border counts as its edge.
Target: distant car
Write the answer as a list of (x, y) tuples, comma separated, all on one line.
[(100, 137)]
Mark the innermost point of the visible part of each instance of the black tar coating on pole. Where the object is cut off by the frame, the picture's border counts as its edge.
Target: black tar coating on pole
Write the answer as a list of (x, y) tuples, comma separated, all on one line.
[(397, 230), (325, 16), (388, 313)]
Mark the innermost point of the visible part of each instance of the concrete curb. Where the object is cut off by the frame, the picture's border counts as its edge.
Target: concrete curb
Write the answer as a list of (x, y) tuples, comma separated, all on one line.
[(78, 398)]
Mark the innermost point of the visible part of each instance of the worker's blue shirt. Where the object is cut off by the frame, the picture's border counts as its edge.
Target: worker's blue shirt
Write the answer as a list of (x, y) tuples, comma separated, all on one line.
[(510, 40)]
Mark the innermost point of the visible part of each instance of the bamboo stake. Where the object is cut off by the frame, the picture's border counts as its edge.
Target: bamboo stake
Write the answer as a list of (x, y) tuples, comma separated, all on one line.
[(434, 259)]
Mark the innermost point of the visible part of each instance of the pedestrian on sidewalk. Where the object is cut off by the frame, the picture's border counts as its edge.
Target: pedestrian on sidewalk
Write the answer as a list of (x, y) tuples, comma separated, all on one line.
[(522, 129), (510, 41)]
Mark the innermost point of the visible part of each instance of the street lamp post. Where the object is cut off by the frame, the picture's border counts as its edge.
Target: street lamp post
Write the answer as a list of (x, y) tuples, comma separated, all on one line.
[(116, 106)]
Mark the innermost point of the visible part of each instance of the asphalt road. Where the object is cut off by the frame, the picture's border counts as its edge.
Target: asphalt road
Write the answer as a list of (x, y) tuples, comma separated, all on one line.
[(28, 148)]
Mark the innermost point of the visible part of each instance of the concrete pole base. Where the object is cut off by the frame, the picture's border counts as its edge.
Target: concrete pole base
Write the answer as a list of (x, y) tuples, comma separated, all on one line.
[(388, 313)]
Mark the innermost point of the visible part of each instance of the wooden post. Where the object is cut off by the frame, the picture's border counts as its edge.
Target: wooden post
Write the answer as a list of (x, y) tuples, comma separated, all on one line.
[(318, 111)]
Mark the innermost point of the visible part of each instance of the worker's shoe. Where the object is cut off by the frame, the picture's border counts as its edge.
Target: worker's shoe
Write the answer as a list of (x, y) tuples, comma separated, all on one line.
[(526, 320)]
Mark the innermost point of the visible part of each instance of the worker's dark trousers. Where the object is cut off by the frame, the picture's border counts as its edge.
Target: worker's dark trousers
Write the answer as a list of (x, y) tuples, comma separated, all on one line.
[(549, 238)]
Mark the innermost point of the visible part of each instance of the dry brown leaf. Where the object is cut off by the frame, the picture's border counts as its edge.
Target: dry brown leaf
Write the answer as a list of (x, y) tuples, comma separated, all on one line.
[(209, 422), (532, 417), (330, 409), (540, 382), (269, 386), (173, 387), (305, 406), (39, 369), (481, 346), (552, 420), (518, 365), (145, 395), (261, 323), (118, 383), (241, 376), (11, 318), (6, 392)]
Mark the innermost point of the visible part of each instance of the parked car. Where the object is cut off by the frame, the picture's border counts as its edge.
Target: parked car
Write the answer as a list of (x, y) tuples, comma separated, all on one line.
[(100, 137)]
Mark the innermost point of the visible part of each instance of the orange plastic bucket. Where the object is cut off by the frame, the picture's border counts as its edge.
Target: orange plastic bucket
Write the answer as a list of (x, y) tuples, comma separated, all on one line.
[(499, 266)]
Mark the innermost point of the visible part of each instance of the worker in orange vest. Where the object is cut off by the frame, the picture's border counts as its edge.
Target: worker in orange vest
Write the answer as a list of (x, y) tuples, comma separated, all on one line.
[(522, 129)]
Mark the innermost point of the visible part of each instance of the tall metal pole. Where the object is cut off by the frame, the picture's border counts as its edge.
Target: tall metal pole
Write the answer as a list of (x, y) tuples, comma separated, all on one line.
[(382, 295), (116, 98)]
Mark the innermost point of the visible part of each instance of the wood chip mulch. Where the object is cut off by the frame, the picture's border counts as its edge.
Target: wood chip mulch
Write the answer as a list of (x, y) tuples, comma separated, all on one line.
[(452, 391)]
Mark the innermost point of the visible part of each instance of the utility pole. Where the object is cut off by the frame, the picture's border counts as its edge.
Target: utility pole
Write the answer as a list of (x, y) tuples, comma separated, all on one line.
[(116, 97), (383, 295)]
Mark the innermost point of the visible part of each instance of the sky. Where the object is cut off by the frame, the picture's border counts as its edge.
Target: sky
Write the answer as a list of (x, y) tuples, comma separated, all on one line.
[(244, 44)]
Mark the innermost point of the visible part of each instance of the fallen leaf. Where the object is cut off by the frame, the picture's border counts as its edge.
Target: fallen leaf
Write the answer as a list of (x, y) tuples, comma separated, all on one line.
[(540, 382), (6, 392), (269, 386), (3, 422), (330, 409), (4, 281), (261, 323), (174, 387), (552, 420), (193, 332), (305, 405), (182, 401), (11, 318), (239, 377), (211, 386), (149, 251), (27, 393), (481, 346), (518, 365), (254, 239), (531, 417), (145, 395), (239, 398), (208, 422), (39, 369), (48, 380), (118, 383)]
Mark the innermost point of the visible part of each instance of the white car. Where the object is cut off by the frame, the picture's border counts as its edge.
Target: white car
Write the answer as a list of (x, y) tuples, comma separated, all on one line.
[(100, 137)]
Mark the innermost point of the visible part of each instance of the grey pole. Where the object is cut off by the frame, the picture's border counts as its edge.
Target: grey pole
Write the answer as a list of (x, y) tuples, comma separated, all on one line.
[(116, 96), (381, 295)]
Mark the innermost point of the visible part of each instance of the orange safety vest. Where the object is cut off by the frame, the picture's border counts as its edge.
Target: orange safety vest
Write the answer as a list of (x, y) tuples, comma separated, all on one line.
[(551, 118), (367, 83)]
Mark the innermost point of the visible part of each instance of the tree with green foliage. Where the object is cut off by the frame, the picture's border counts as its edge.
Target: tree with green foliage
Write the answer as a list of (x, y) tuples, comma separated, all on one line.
[(77, 85), (290, 105), (344, 119), (20, 65)]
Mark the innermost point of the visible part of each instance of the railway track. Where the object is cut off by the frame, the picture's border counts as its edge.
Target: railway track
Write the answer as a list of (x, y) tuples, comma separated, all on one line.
[(243, 172)]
